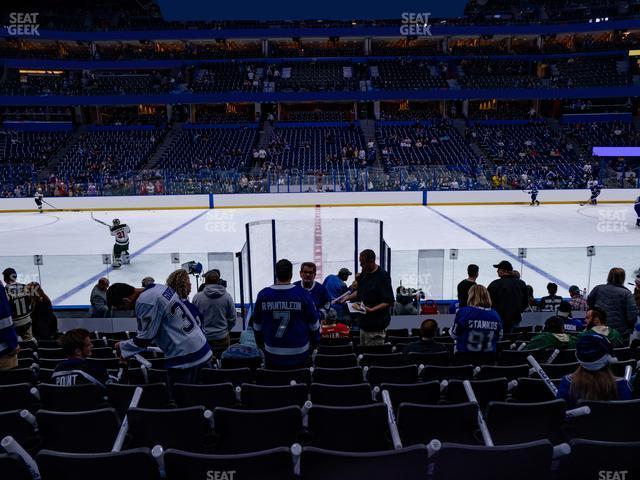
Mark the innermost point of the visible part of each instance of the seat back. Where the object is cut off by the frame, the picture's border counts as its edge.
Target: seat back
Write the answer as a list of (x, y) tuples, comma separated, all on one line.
[(54, 428), (260, 397), (181, 428), (237, 376), (405, 374), (283, 377), (72, 398), (511, 423), (335, 361), (608, 421), (341, 395), (460, 372), (485, 390), (208, 396), (419, 424)]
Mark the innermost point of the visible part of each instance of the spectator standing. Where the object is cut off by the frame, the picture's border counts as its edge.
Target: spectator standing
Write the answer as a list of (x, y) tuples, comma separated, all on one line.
[(318, 292), (427, 342), (509, 296), (218, 311), (20, 302), (477, 327), (164, 319), (571, 325), (8, 339), (593, 380), (44, 321), (286, 321), (99, 307), (577, 300), (376, 294), (616, 300), (551, 302), (336, 286), (464, 286)]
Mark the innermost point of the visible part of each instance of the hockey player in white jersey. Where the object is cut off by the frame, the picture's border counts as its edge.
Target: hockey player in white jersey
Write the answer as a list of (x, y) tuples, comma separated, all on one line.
[(38, 199), (121, 233), (163, 319)]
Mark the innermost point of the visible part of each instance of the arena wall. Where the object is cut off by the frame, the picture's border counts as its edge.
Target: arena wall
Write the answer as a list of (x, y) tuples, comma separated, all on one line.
[(281, 200)]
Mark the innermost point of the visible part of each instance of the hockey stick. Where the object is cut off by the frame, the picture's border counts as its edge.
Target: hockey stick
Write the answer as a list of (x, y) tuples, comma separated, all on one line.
[(99, 221), (44, 201)]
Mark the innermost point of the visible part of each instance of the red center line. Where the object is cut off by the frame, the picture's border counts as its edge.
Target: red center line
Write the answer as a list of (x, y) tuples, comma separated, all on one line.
[(317, 245)]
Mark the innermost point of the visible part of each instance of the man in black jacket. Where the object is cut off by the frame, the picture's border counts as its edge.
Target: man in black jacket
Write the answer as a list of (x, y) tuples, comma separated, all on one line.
[(427, 343), (508, 295)]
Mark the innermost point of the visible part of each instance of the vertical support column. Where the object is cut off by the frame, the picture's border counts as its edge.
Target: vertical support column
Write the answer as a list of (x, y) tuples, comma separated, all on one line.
[(382, 249), (355, 246), (273, 247), (241, 287), (249, 264)]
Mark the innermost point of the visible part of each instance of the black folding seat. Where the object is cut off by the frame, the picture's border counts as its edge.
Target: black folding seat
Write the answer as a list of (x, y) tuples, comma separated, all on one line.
[(335, 350), (469, 358), (51, 363), (54, 427), (335, 361), (608, 421), (383, 360), (17, 397), (134, 464), (419, 424), (335, 341), (511, 423), (459, 372), (425, 393), (12, 466), (557, 370), (52, 353), (250, 363), (519, 357), (623, 354), (72, 398), (410, 463), (282, 377), (26, 362), (261, 397), (115, 335), (441, 359), (102, 352), (405, 374), (564, 356), (45, 374), (338, 376), (341, 395), (182, 428), (273, 464), (208, 396), (531, 390), (237, 376), (619, 368), (485, 391), (137, 376), (590, 458), (531, 460), (385, 349), (106, 363), (397, 332), (350, 429), (242, 431), (11, 423), (510, 372), (154, 395)]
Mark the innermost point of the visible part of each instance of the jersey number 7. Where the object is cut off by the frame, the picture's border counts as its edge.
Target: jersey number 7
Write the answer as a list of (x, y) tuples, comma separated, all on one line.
[(282, 318)]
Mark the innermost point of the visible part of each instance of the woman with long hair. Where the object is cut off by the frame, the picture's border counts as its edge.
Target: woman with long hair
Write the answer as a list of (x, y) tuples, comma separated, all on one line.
[(593, 379), (180, 282), (44, 322), (477, 327)]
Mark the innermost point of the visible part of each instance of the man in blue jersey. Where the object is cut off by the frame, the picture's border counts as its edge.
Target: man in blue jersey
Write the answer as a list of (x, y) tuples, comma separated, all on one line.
[(636, 207), (336, 286), (8, 339), (165, 320), (286, 321), (318, 292)]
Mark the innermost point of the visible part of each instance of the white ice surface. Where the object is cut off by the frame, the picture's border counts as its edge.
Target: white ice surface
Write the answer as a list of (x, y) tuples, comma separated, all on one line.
[(555, 235)]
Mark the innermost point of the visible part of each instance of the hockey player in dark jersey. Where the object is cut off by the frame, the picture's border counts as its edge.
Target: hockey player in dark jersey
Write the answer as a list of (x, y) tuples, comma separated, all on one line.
[(286, 321), (533, 191), (596, 188), (21, 306), (637, 209)]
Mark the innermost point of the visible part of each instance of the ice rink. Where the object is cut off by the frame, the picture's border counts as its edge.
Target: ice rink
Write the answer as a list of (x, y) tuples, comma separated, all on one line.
[(421, 239)]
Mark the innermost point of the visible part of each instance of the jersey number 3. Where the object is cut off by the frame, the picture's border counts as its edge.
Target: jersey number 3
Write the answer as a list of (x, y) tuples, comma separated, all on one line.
[(187, 322)]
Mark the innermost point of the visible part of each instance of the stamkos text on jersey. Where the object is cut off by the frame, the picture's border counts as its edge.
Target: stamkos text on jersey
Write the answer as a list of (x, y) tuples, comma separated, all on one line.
[(281, 305), (483, 324), (416, 24)]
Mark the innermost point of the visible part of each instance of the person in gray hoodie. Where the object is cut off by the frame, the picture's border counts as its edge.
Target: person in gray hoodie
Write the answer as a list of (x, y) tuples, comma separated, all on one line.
[(218, 311), (616, 300)]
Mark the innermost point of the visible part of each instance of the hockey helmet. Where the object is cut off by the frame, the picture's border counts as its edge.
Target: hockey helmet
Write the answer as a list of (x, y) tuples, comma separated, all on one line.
[(116, 222)]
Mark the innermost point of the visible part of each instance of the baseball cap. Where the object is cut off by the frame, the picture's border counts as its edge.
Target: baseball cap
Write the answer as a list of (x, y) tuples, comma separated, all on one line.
[(593, 351), (574, 289), (504, 265), (344, 271), (564, 309)]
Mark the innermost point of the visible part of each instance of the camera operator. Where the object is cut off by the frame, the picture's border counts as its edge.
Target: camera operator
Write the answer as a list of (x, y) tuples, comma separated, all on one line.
[(407, 300), (217, 309)]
